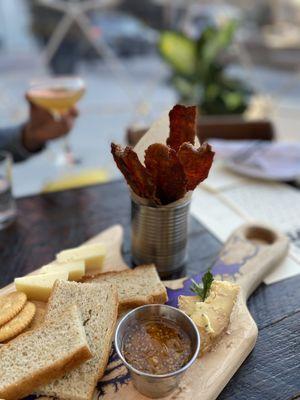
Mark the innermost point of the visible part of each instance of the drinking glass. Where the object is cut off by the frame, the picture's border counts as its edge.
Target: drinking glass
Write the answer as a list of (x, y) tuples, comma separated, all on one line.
[(57, 95), (7, 203)]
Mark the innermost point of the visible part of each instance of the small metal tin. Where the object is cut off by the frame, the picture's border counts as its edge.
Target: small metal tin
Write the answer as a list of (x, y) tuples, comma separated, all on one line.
[(150, 385), (159, 235)]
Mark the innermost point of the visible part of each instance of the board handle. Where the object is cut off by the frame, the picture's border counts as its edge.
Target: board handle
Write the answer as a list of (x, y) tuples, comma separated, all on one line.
[(249, 254)]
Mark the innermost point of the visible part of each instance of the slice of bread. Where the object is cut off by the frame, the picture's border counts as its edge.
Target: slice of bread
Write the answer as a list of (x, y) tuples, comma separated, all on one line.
[(48, 352), (136, 287), (98, 304)]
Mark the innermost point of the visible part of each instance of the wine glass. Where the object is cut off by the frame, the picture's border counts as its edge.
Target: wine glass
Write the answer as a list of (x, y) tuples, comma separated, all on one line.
[(57, 95)]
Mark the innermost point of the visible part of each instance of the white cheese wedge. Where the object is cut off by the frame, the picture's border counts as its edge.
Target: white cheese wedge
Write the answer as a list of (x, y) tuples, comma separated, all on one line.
[(75, 269), (92, 255), (212, 316), (38, 287)]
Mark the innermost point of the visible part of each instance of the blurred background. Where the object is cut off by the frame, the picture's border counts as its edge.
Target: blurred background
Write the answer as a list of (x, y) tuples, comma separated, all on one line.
[(238, 60)]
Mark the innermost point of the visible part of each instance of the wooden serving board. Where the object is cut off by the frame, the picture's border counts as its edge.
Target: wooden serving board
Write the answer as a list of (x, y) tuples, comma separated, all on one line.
[(112, 238), (248, 255)]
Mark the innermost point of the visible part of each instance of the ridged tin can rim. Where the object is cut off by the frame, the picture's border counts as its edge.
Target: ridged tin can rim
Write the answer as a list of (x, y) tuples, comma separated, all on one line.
[(177, 205)]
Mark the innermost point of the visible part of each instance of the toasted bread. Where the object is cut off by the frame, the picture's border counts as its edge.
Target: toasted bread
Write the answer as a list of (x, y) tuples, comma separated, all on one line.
[(98, 304), (48, 352), (136, 287)]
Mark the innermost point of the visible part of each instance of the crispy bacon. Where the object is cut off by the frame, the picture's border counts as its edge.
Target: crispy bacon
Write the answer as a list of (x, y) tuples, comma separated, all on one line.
[(167, 173), (196, 163), (182, 126), (170, 170), (136, 175)]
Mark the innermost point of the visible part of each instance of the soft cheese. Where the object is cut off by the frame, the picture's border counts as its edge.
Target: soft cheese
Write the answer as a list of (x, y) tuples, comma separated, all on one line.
[(75, 269), (38, 287), (92, 255), (212, 316)]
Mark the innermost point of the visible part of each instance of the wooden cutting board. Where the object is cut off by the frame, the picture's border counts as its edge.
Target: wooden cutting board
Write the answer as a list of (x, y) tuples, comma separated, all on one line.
[(112, 238), (248, 255)]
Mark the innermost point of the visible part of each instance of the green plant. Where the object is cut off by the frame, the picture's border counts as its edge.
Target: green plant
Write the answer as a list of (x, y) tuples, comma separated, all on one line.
[(198, 74), (202, 290)]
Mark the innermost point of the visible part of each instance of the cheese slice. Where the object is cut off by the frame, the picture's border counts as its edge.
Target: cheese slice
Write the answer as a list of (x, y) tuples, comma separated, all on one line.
[(212, 316), (38, 287), (75, 269), (92, 255)]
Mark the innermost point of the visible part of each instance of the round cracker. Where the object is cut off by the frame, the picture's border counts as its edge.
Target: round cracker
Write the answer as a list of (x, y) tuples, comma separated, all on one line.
[(39, 315), (17, 325), (10, 305)]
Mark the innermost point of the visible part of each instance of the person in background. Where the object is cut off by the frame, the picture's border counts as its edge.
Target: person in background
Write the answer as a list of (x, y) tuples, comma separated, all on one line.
[(27, 139)]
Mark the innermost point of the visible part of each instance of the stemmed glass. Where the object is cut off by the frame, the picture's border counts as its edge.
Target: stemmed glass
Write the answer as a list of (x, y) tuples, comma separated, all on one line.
[(57, 95)]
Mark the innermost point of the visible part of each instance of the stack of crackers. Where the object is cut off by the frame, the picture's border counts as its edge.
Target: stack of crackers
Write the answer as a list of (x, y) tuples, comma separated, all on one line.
[(16, 314)]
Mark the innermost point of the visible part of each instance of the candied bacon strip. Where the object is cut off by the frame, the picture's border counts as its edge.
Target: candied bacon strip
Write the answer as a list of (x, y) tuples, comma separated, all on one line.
[(196, 163), (136, 175), (167, 173), (182, 126)]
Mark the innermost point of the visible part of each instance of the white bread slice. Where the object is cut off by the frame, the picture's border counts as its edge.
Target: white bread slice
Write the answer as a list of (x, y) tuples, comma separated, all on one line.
[(98, 304), (43, 354), (136, 287)]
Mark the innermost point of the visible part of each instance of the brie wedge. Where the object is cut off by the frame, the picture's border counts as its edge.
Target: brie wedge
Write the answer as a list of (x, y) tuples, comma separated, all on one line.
[(211, 316)]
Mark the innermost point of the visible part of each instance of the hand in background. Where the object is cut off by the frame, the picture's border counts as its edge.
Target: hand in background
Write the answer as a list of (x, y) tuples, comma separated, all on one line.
[(42, 127)]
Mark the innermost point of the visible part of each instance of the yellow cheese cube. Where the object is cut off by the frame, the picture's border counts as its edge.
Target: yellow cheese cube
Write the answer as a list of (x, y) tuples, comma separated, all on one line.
[(92, 254), (38, 287), (75, 269)]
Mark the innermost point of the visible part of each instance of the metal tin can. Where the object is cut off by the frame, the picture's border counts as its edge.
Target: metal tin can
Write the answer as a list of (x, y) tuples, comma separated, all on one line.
[(159, 235), (156, 386)]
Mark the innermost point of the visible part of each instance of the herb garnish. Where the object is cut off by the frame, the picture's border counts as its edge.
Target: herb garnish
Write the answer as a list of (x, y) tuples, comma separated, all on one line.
[(203, 290)]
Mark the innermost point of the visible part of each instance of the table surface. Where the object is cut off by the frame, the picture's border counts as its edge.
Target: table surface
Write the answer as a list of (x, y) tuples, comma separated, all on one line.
[(50, 222)]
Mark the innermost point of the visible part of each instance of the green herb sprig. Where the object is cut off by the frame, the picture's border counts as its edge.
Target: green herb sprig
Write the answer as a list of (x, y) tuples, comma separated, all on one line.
[(203, 290)]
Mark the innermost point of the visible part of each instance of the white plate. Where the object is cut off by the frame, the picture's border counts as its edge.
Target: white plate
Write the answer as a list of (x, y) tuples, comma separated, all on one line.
[(275, 161)]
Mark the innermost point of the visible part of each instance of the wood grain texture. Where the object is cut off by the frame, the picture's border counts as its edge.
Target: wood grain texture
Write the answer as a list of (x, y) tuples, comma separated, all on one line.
[(48, 223), (274, 365), (250, 253), (220, 364), (270, 304), (112, 239)]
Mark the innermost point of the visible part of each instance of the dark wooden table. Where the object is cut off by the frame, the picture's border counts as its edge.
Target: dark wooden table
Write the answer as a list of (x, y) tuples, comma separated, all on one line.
[(48, 223)]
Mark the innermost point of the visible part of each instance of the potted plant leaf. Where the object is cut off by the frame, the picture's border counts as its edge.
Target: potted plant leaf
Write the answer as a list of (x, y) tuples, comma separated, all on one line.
[(199, 75)]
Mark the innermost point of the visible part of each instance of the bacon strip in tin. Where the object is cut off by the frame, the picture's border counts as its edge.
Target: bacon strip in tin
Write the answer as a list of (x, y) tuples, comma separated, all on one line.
[(196, 163), (136, 175), (182, 126), (166, 171)]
